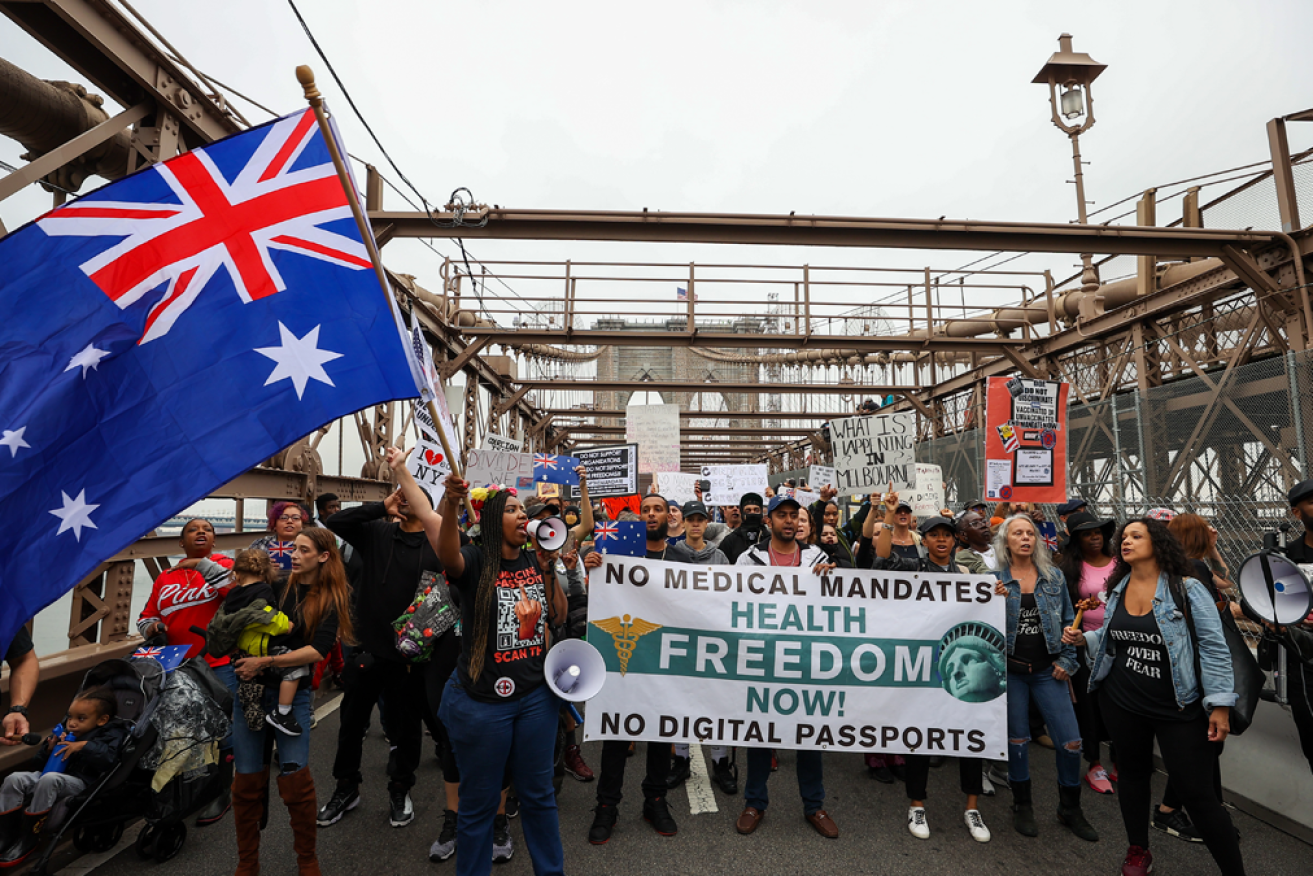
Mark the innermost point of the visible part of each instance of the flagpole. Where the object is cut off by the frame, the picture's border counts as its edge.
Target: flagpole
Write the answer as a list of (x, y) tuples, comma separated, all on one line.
[(306, 77)]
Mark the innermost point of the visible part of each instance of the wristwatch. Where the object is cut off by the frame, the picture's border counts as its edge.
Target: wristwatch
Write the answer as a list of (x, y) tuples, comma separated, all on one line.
[(21, 710)]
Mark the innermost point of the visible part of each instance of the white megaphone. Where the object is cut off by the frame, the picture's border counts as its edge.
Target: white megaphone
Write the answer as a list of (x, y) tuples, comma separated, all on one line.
[(575, 670), (549, 533), (1274, 589)]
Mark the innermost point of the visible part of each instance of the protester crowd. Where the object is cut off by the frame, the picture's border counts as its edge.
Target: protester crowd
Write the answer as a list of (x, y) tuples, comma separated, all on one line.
[(1113, 642)]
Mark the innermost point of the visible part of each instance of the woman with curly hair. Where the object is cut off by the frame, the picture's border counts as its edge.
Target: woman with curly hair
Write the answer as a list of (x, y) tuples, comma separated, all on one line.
[(1162, 670)]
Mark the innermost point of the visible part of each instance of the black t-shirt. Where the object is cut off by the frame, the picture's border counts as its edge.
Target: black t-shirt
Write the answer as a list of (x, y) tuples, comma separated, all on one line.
[(1029, 644), (321, 638), (906, 551), (672, 553), (19, 645), (1299, 552), (1140, 680), (513, 664)]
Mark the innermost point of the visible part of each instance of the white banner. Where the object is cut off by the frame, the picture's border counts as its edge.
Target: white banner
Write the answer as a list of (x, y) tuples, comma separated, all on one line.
[(781, 657), (730, 482), (676, 486), (928, 497), (870, 452), (486, 466), (497, 442), (429, 465), (819, 476), (655, 429)]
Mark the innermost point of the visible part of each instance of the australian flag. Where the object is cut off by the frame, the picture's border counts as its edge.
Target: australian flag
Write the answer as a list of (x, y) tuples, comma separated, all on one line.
[(549, 469), (1048, 531), (169, 656), (626, 537), (169, 331)]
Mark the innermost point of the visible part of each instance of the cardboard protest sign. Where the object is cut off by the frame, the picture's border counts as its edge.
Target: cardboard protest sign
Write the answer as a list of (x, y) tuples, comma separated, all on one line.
[(820, 475), (928, 496), (858, 660), (429, 432), (548, 491), (1025, 440), (655, 429), (873, 451), (429, 466), (485, 466), (805, 498), (612, 471), (497, 442), (677, 486), (730, 482)]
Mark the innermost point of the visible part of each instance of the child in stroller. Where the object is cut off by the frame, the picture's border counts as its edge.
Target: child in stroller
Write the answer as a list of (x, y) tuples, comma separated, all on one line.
[(243, 626), (80, 752)]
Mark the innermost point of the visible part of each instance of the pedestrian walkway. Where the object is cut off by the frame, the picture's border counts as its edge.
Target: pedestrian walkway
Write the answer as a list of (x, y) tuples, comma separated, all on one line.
[(871, 818)]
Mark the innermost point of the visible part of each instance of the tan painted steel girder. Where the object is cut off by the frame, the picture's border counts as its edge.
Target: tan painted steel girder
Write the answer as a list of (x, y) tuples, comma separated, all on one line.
[(791, 230), (690, 386), (691, 430), (706, 415), (100, 42), (986, 346)]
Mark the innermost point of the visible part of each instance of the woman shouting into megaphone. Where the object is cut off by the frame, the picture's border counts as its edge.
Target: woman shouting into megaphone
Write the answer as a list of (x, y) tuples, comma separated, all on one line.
[(497, 707)]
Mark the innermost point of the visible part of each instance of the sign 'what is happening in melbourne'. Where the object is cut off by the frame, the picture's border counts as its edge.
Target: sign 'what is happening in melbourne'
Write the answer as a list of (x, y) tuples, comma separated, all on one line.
[(858, 660), (872, 452)]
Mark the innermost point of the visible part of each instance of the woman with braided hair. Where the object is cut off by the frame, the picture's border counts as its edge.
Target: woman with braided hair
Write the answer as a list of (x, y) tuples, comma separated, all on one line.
[(497, 707)]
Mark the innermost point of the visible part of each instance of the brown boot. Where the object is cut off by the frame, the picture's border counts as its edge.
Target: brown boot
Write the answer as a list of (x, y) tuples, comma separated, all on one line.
[(249, 790), (298, 792)]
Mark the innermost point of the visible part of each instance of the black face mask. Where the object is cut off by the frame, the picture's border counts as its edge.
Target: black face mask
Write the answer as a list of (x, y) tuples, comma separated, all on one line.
[(752, 521)]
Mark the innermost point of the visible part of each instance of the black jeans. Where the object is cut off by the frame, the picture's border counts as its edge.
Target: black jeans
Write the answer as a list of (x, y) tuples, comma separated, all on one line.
[(406, 705), (918, 774), (612, 778), (1185, 750), (1088, 717)]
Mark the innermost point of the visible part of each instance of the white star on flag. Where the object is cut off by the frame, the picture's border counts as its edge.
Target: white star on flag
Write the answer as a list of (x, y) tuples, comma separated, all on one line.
[(298, 360), (13, 439), (75, 514), (88, 358)]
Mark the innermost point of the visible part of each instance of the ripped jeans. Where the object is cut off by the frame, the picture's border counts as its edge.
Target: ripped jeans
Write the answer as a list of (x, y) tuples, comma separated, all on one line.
[(248, 744), (1054, 701)]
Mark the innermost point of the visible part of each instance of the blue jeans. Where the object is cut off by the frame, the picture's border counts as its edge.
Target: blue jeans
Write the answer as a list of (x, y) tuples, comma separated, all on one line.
[(228, 676), (1054, 701), (293, 751), (811, 780), (485, 737)]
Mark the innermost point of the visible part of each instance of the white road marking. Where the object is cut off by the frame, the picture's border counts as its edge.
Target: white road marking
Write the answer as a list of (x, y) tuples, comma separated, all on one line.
[(328, 708), (86, 863), (701, 798)]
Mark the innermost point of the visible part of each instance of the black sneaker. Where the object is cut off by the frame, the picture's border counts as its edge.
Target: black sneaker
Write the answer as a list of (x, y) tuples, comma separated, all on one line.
[(283, 722), (502, 844), (881, 774), (512, 805), (603, 823), (445, 845), (344, 799), (680, 769), (1176, 823), (657, 814), (725, 775), (401, 810)]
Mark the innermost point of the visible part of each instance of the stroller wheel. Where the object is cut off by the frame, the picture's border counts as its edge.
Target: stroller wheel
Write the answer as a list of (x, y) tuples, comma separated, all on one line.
[(145, 845), (98, 838), (170, 842)]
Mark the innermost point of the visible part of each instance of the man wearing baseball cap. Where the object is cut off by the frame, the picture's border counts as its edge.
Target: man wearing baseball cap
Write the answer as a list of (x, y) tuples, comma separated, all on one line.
[(939, 538), (783, 549), (751, 532)]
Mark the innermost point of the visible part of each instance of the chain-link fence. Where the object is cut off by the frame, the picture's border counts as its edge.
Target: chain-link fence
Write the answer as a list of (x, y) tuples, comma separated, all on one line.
[(1227, 447)]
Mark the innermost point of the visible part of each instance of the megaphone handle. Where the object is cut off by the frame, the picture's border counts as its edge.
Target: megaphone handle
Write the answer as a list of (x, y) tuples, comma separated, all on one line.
[(574, 713)]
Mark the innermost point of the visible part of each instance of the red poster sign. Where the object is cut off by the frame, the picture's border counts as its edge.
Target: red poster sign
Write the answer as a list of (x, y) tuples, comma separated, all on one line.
[(1025, 440)]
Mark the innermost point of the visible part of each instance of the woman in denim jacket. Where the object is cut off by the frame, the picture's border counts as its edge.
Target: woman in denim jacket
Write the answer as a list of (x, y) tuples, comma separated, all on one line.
[(1039, 665), (1142, 663)]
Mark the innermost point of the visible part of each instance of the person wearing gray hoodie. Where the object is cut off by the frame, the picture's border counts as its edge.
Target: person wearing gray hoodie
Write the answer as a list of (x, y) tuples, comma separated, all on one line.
[(724, 772)]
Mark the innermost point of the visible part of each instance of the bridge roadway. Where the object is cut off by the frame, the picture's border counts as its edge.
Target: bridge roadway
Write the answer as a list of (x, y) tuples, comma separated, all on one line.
[(871, 818)]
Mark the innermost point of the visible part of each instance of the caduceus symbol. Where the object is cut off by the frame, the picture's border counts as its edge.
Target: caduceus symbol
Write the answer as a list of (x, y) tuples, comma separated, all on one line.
[(625, 632)]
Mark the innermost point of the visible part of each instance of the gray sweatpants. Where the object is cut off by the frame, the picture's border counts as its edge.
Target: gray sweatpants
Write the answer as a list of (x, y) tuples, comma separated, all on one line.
[(46, 790)]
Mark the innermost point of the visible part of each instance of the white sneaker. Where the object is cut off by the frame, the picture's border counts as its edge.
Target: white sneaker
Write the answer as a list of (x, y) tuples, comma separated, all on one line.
[(986, 786), (916, 823), (976, 825)]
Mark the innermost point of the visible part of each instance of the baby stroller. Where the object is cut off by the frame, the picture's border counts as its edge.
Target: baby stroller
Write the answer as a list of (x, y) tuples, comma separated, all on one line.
[(149, 698)]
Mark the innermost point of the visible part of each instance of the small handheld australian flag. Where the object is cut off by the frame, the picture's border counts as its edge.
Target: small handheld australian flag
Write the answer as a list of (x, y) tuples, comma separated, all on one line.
[(625, 537)]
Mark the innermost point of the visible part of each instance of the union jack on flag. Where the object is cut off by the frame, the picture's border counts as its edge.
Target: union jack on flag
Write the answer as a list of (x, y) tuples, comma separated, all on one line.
[(274, 206), (169, 656), (1049, 532), (550, 469), (152, 652), (280, 552)]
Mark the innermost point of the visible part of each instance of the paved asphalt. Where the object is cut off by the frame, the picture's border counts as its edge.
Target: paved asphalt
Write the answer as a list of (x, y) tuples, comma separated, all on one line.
[(871, 818)]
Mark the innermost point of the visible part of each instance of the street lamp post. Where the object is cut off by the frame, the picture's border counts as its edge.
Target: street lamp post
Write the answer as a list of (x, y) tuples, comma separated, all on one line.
[(1075, 73)]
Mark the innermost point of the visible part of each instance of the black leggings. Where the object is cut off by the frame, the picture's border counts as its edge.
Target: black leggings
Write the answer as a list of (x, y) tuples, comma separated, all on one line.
[(1092, 729), (918, 774), (1185, 750), (1172, 798)]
